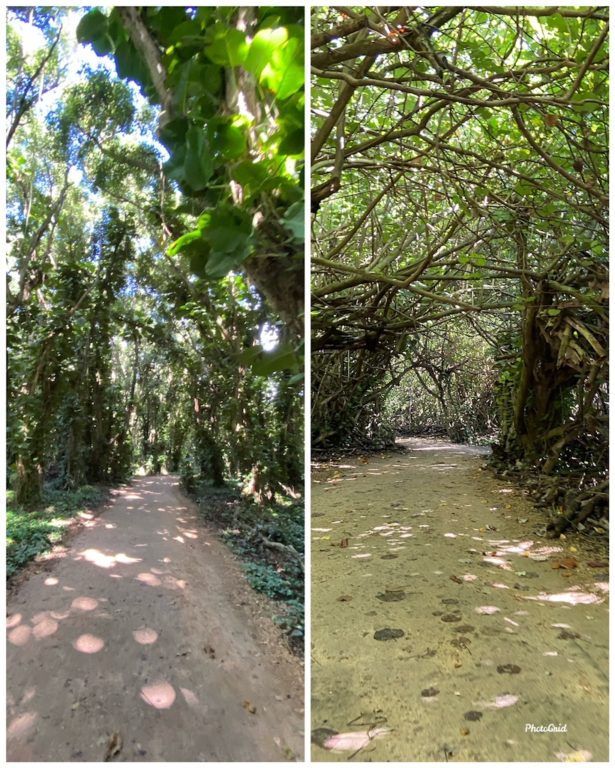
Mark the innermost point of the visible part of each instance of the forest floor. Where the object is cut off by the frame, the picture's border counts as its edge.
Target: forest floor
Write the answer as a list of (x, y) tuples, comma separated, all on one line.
[(444, 624), (140, 640)]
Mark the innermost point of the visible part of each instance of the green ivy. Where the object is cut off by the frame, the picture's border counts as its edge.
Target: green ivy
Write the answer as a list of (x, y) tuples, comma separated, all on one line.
[(202, 52)]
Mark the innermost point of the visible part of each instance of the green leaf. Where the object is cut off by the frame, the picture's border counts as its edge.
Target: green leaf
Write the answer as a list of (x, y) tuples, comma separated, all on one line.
[(198, 259), (183, 241), (585, 103), (198, 164), (128, 63), (187, 29), (93, 25), (228, 229), (282, 358), (293, 78), (293, 143), (524, 188), (556, 21), (248, 356), (249, 175), (262, 49), (230, 141), (548, 209), (229, 48), (103, 45), (294, 220), (174, 167), (174, 132), (284, 74), (220, 263)]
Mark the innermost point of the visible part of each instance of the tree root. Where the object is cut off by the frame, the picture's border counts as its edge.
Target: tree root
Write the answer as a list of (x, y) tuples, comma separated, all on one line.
[(578, 506), (288, 548)]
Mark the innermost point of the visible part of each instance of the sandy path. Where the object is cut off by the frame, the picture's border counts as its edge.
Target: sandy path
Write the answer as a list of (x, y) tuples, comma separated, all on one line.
[(145, 628), (508, 641)]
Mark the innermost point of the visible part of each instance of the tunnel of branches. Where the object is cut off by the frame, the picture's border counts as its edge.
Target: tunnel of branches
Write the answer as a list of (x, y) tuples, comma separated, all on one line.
[(460, 237)]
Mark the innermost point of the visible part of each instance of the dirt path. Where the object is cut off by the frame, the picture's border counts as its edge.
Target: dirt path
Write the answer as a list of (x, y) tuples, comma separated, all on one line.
[(440, 629), (142, 642)]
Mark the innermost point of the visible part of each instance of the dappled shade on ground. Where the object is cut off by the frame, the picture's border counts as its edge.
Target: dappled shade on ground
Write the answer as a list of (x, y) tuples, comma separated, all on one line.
[(440, 625), (141, 633)]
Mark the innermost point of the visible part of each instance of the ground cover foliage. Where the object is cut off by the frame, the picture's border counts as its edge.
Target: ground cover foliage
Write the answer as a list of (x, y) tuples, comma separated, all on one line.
[(268, 539), (460, 236), (155, 257)]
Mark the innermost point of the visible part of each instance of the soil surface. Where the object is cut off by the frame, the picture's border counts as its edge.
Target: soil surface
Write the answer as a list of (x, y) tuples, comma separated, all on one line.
[(445, 626), (141, 641)]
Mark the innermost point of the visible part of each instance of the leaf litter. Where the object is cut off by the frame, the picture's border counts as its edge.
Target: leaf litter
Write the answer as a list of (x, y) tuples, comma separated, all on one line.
[(380, 675)]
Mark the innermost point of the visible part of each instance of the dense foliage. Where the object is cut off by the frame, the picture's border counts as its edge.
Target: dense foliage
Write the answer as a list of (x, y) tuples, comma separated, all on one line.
[(269, 540), (32, 532), (459, 201), (155, 227)]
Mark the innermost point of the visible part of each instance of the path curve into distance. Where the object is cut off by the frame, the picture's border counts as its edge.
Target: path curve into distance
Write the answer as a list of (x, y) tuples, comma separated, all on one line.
[(141, 641)]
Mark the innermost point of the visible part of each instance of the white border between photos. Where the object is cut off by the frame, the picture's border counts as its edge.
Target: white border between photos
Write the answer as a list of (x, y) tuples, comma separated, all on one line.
[(307, 326)]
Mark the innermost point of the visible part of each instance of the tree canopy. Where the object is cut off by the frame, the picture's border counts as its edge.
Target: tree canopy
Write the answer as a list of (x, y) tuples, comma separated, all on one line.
[(155, 212), (460, 233)]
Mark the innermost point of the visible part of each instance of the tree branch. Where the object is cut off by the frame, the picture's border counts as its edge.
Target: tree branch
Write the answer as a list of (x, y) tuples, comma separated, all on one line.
[(150, 51)]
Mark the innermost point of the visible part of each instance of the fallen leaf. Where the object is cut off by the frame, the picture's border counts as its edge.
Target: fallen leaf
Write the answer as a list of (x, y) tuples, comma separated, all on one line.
[(456, 579), (114, 747), (353, 741), (598, 563), (506, 700), (344, 543), (580, 756), (567, 563), (249, 707)]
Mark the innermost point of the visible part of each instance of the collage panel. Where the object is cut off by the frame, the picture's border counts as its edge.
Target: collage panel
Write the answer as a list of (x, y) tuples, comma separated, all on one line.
[(459, 384), (154, 325), (453, 291)]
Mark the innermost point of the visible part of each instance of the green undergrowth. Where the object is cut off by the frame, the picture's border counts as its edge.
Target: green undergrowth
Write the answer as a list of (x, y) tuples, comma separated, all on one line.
[(31, 532), (252, 533)]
